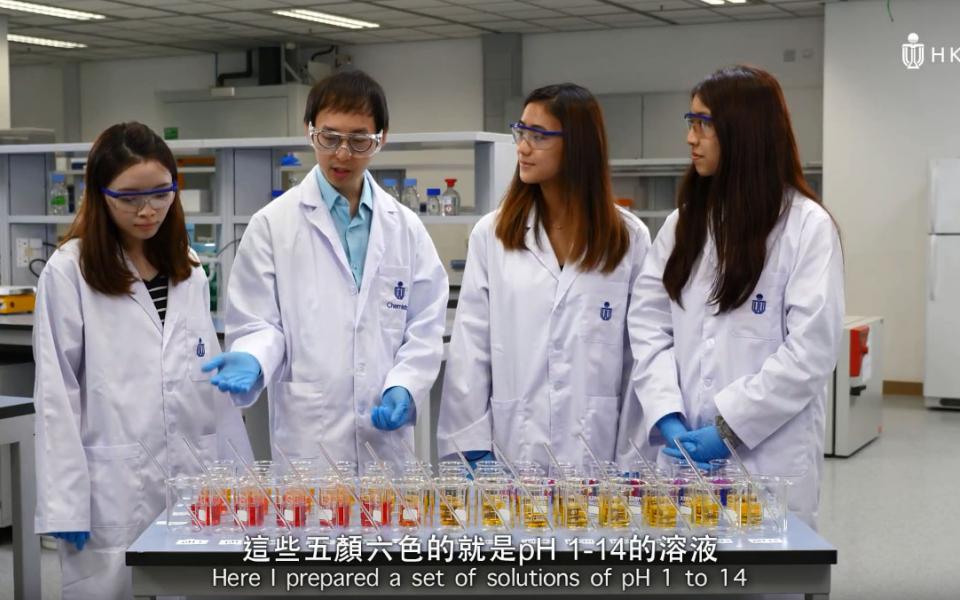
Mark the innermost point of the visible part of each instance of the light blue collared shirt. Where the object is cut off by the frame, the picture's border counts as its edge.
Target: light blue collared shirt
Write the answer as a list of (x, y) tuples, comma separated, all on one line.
[(354, 232)]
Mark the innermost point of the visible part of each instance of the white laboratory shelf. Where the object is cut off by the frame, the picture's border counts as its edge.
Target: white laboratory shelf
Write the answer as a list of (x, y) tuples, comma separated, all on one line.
[(245, 171), (203, 219), (469, 219), (40, 219)]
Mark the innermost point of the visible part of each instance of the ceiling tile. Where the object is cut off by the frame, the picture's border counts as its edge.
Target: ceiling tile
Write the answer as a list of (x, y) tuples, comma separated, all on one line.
[(195, 8), (565, 4), (530, 13), (249, 4), (412, 4), (182, 20), (97, 6), (25, 19), (696, 15), (140, 12), (414, 21), (625, 20), (600, 9), (449, 29), (513, 26)]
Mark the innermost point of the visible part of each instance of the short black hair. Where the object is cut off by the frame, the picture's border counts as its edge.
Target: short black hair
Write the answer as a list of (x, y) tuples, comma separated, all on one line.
[(348, 92)]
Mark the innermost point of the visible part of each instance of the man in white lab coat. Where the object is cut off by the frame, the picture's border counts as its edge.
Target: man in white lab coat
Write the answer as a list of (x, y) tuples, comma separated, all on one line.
[(337, 297)]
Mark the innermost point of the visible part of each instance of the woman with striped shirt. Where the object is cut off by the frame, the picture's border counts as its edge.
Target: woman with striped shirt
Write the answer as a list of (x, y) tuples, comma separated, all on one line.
[(122, 328)]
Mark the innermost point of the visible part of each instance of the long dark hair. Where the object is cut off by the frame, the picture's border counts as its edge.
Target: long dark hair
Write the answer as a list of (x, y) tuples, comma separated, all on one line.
[(600, 236), (101, 259), (742, 201)]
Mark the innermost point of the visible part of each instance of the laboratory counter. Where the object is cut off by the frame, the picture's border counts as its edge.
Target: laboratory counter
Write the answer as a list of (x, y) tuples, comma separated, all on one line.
[(167, 562)]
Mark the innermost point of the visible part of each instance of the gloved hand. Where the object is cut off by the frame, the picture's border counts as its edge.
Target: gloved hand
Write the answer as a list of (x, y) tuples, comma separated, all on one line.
[(237, 371), (671, 426), (77, 538), (395, 410), (703, 445), (475, 456)]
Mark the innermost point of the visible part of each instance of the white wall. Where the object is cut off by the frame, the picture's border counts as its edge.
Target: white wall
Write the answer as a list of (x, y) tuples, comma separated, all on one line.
[(882, 123), (36, 98), (430, 86), (125, 90), (664, 63)]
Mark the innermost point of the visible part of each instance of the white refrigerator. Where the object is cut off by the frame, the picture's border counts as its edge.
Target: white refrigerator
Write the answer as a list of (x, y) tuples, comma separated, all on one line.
[(941, 379)]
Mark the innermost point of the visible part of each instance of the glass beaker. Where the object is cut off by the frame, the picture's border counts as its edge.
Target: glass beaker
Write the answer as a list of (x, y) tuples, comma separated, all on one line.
[(495, 497), (536, 503), (453, 492), (250, 504), (182, 493), (410, 505)]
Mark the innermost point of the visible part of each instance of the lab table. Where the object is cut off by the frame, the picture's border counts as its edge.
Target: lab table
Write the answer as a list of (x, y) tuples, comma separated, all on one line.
[(166, 562), (16, 429)]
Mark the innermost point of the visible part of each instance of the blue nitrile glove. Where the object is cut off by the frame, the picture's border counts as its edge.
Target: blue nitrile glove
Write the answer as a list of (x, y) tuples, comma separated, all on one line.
[(238, 371), (77, 538), (395, 410), (475, 456), (671, 426), (703, 445)]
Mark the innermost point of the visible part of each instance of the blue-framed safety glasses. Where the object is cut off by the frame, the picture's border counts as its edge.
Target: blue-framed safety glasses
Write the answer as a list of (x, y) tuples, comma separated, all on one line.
[(701, 123), (135, 200), (536, 137)]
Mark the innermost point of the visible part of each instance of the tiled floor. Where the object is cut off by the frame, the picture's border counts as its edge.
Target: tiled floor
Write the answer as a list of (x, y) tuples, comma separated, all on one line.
[(889, 510)]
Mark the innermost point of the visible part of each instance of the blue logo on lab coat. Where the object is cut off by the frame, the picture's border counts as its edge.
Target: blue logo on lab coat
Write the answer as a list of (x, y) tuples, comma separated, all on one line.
[(606, 312), (759, 305), (399, 292), (201, 350)]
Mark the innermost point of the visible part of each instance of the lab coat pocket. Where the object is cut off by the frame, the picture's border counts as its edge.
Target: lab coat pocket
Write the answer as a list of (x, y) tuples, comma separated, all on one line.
[(599, 424), (393, 295), (201, 346), (298, 414), (603, 313), (761, 316), (508, 423), (116, 486)]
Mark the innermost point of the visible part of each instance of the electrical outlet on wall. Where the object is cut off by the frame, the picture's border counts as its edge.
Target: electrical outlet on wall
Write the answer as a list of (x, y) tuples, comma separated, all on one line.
[(27, 250)]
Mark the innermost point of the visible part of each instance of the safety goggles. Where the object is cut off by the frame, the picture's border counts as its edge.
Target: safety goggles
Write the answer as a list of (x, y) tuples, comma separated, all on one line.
[(134, 200), (357, 144), (537, 138), (700, 123)]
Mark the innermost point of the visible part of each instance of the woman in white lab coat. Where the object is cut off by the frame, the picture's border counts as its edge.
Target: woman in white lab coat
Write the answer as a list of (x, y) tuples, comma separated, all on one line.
[(538, 352), (739, 305), (122, 326)]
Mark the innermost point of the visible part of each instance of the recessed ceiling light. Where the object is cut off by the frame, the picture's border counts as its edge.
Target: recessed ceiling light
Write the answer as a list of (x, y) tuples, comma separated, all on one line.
[(36, 41), (326, 19), (50, 11), (713, 2)]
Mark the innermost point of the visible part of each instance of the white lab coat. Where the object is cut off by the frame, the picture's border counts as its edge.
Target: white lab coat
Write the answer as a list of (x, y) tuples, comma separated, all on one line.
[(764, 367), (535, 356), (109, 376), (328, 350)]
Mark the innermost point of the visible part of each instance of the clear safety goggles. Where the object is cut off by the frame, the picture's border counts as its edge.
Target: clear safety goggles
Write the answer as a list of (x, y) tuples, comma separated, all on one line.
[(357, 144), (537, 138), (700, 123), (134, 200)]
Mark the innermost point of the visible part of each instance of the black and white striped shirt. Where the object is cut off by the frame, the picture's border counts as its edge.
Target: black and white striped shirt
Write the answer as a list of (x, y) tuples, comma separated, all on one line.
[(158, 293)]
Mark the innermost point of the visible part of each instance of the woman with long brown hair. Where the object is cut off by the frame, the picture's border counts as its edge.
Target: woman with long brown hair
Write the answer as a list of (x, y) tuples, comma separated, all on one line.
[(739, 306), (122, 327), (538, 352)]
